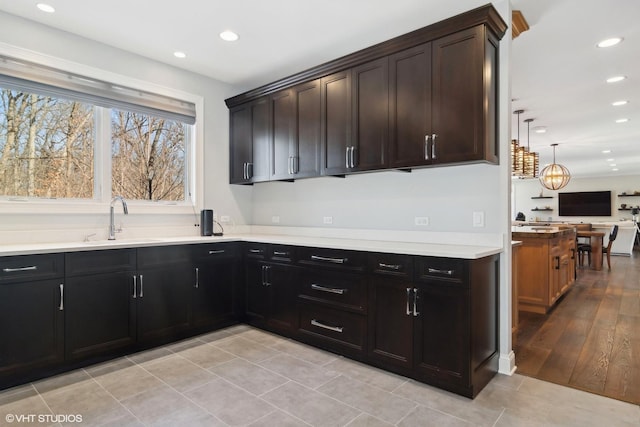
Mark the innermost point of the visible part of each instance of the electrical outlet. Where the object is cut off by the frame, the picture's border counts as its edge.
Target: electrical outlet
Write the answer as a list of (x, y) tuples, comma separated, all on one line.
[(225, 218), (421, 220), (478, 219), (327, 220), (275, 219)]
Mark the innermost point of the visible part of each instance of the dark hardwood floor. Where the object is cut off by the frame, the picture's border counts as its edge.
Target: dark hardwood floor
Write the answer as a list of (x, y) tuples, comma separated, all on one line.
[(591, 339)]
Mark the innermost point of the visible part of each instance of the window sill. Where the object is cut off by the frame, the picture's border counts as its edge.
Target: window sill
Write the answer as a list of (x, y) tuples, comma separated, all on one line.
[(53, 207)]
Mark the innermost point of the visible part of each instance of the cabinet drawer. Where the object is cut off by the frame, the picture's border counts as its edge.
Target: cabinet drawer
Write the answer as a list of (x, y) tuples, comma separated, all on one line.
[(255, 250), (440, 268), (101, 261), (335, 288), (214, 251), (282, 253), (163, 255), (333, 258), (31, 267), (391, 264), (336, 327)]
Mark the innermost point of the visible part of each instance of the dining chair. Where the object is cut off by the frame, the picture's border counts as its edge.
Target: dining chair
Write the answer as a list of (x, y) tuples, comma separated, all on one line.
[(583, 244), (612, 236)]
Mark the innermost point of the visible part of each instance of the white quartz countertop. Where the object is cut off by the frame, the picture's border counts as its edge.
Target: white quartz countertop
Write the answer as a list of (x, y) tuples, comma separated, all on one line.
[(386, 246)]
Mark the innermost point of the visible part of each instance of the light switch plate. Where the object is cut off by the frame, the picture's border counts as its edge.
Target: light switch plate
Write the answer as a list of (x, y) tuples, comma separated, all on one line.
[(478, 219)]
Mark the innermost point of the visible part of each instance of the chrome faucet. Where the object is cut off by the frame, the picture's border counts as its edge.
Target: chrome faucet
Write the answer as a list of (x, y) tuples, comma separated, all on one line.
[(112, 227)]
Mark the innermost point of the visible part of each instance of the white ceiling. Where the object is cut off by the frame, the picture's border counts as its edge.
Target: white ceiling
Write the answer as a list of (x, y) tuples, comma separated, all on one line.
[(557, 72)]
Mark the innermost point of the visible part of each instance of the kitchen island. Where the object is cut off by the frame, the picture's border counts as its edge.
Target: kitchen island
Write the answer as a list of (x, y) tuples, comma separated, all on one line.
[(548, 266)]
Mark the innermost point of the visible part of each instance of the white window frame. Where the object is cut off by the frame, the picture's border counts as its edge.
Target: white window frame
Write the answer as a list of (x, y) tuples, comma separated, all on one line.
[(194, 169)]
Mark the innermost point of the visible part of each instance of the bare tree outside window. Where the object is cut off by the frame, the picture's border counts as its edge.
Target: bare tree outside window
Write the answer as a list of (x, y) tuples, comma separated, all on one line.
[(46, 146), (148, 157)]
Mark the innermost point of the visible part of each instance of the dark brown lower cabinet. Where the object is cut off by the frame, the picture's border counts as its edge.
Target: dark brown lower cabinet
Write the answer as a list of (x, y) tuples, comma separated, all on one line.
[(32, 326)]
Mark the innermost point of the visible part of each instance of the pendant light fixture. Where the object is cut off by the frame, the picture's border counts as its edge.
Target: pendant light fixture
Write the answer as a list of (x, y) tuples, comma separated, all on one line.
[(517, 152), (531, 159), (554, 176)]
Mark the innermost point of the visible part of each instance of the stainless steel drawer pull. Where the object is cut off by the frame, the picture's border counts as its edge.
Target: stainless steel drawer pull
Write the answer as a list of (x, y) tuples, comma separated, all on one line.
[(390, 266), (415, 302), (426, 147), (13, 270), (279, 253), (433, 146), (327, 259), (435, 270), (408, 298), (197, 285), (216, 251), (61, 306), (338, 291), (256, 251), (338, 329), (141, 287), (135, 287)]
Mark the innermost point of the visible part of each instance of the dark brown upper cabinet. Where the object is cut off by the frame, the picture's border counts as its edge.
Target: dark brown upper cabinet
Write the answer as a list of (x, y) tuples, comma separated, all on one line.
[(426, 98), (249, 147)]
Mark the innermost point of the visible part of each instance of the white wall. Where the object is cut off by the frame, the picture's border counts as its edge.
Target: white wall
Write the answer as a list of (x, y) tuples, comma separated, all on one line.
[(525, 189), (235, 201)]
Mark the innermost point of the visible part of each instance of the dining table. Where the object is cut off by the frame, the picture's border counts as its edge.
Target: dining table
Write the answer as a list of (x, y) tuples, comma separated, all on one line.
[(595, 240)]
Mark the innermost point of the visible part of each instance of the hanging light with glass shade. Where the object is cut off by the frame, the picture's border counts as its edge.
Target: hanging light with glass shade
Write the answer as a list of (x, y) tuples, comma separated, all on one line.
[(517, 152), (554, 176), (531, 159)]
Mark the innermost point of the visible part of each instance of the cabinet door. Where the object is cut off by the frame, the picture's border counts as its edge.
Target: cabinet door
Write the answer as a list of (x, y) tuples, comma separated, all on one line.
[(282, 286), (213, 295), (241, 146), (100, 314), (442, 342), (459, 97), (256, 293), (32, 319), (391, 321), (164, 301), (282, 145), (306, 162), (410, 107), (261, 140), (370, 115), (336, 123)]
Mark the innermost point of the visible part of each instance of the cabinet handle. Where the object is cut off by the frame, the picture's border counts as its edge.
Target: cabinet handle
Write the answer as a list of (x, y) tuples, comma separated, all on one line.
[(13, 270), (244, 170), (426, 147), (408, 298), (256, 251), (262, 275), (346, 157), (296, 166), (249, 170), (327, 259), (61, 306), (197, 285), (353, 159), (389, 266), (216, 252), (573, 253), (433, 146), (339, 291), (338, 329), (267, 269), (435, 270), (280, 253), (557, 262), (141, 287), (135, 287), (415, 302), (289, 165)]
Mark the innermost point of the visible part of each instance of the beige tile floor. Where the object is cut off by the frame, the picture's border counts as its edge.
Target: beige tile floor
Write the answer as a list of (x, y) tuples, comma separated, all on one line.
[(242, 376)]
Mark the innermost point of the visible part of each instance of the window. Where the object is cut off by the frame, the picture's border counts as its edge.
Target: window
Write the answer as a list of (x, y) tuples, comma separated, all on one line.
[(64, 136)]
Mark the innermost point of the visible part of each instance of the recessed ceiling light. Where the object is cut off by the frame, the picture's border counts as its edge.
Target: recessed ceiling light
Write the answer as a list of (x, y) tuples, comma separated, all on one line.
[(228, 36), (179, 54), (540, 129), (606, 151), (615, 169), (610, 160), (616, 79), (45, 7), (619, 103), (613, 165), (622, 120), (610, 42)]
